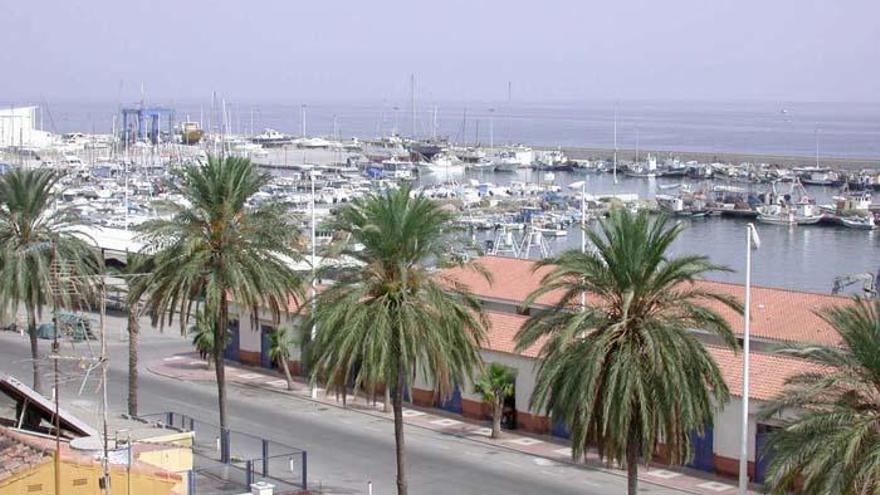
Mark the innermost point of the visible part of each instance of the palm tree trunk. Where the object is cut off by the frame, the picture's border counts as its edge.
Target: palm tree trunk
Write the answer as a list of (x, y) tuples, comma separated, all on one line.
[(35, 355), (497, 410), (220, 371), (632, 461), (397, 399), (133, 331), (283, 363)]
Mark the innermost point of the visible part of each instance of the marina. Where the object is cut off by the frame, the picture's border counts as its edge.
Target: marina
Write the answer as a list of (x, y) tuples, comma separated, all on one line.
[(512, 200)]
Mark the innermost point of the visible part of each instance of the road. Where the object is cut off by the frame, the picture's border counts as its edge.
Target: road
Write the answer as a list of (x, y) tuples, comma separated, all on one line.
[(346, 448)]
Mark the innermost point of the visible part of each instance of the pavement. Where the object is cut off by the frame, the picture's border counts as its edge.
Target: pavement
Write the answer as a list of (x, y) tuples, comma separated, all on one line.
[(546, 451)]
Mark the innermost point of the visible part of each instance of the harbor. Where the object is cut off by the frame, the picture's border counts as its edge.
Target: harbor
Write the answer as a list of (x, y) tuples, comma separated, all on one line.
[(820, 220)]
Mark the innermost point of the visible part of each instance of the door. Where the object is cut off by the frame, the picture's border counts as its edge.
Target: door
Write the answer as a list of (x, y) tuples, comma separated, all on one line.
[(702, 445), (762, 457), (560, 429), (232, 345), (265, 345), (453, 402)]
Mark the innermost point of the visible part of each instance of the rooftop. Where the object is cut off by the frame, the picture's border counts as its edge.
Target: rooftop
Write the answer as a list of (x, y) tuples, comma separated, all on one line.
[(777, 314)]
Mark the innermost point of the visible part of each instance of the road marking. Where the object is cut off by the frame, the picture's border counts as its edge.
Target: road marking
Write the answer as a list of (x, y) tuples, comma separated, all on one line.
[(173, 358)]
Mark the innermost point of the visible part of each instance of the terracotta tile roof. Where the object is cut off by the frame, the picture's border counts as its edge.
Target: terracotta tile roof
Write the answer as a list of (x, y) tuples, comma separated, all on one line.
[(777, 314), (768, 372), (16, 456)]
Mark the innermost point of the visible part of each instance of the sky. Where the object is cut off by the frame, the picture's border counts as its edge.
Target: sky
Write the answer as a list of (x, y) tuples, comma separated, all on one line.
[(334, 50)]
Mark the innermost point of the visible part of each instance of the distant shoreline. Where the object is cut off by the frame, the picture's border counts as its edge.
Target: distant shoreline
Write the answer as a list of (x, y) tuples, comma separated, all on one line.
[(628, 155)]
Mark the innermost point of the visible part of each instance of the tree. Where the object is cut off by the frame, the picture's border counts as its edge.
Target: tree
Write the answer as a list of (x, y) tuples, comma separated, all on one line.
[(221, 248), (495, 385), (137, 266), (391, 317), (34, 235), (626, 369), (280, 342), (203, 337), (832, 445)]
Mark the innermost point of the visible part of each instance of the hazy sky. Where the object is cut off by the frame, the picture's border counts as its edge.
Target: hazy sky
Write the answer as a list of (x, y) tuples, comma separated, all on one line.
[(458, 49)]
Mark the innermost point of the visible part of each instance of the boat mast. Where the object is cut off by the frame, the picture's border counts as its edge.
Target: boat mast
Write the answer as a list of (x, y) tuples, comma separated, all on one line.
[(302, 110), (434, 124), (412, 104), (615, 142), (817, 146)]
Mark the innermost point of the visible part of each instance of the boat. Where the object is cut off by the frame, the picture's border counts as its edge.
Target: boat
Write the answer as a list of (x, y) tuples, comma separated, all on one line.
[(506, 164), (481, 164), (191, 133), (271, 138), (859, 222)]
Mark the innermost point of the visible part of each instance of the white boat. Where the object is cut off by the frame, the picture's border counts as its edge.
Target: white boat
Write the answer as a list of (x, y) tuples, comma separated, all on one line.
[(549, 232), (506, 164), (481, 164), (271, 137), (859, 223)]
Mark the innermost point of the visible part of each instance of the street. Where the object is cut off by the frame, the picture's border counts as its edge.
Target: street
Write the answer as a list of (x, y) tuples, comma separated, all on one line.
[(346, 448)]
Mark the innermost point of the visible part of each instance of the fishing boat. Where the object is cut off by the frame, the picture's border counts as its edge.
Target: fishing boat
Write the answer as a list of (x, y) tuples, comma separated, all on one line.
[(859, 222)]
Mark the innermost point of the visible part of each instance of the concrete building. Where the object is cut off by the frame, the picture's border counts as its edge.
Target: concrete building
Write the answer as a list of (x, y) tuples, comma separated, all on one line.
[(18, 129), (778, 316)]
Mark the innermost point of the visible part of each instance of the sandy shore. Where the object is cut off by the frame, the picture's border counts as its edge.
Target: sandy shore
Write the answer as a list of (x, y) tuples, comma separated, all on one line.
[(628, 155)]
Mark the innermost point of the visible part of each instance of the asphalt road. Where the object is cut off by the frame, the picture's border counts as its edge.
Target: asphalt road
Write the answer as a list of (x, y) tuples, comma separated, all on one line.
[(346, 448)]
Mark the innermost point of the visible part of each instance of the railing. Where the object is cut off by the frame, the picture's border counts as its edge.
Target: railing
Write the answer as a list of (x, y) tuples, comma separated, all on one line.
[(249, 458)]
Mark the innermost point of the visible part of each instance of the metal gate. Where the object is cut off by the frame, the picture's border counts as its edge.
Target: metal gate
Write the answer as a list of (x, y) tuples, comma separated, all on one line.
[(702, 445), (232, 346)]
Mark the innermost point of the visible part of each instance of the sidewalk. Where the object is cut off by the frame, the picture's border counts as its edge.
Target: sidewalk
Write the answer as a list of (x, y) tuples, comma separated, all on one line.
[(189, 367)]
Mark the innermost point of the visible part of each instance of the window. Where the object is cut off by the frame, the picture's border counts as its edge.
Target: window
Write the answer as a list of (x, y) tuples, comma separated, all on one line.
[(81, 482)]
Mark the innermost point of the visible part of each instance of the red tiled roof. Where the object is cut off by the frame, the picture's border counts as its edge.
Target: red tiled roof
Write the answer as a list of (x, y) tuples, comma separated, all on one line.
[(777, 314), (768, 372), (16, 455)]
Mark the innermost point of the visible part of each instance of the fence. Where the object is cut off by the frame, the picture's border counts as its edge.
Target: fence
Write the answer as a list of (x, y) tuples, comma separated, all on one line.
[(249, 459)]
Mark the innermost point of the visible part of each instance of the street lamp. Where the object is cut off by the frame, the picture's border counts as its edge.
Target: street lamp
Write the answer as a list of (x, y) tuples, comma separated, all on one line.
[(752, 241), (582, 185)]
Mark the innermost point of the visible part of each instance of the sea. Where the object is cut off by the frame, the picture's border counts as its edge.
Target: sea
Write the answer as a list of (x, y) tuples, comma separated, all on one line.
[(801, 258)]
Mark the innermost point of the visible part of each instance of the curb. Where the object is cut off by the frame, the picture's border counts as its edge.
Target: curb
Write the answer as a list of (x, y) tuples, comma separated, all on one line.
[(377, 414)]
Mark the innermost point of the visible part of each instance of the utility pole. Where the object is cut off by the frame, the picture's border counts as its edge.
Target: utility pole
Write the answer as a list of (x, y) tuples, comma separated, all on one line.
[(314, 389)]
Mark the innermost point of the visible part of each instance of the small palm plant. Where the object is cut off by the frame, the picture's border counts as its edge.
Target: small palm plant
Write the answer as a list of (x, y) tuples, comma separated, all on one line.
[(203, 337), (495, 385), (280, 342), (832, 447)]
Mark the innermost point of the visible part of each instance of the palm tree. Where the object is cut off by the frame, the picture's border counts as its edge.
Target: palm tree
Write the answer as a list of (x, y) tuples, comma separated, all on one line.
[(832, 446), (280, 342), (203, 337), (137, 266), (626, 370), (495, 385), (34, 235), (391, 317), (220, 248)]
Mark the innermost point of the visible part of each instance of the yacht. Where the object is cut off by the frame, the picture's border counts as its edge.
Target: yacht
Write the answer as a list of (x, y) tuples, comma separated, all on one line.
[(272, 138)]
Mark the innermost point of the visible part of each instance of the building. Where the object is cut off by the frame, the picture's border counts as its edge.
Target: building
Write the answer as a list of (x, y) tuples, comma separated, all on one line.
[(18, 129), (27, 467), (778, 316)]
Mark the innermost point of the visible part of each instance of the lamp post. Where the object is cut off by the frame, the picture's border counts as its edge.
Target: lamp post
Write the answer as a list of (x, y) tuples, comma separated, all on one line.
[(582, 185), (752, 240), (314, 390)]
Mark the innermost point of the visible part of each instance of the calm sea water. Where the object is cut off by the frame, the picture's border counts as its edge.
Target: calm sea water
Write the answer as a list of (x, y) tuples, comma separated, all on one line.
[(844, 129)]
